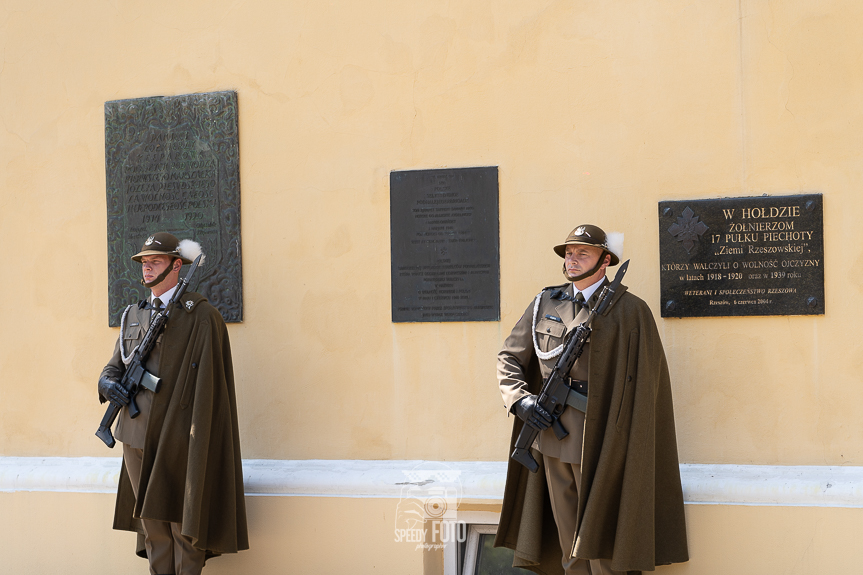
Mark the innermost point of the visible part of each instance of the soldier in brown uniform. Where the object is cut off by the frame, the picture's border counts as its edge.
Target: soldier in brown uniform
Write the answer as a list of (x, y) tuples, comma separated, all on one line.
[(607, 498), (181, 485)]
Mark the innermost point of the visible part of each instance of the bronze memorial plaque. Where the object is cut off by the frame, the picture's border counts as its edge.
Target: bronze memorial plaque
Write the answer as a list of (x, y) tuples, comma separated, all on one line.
[(445, 245), (172, 164), (742, 256)]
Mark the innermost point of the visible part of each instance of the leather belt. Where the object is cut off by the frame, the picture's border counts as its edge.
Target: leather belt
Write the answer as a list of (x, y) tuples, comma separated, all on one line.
[(578, 385)]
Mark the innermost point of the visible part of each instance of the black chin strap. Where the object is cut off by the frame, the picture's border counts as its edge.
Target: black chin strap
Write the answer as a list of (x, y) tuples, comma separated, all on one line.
[(585, 274), (160, 278)]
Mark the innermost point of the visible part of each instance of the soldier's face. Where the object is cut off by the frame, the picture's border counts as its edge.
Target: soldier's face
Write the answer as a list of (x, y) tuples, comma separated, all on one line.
[(581, 259), (153, 266)]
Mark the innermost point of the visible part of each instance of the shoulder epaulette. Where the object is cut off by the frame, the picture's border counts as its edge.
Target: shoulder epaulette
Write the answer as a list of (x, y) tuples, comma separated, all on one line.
[(557, 288)]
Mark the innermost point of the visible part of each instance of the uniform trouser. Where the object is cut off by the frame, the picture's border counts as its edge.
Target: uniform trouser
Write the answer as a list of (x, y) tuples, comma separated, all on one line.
[(564, 481), (168, 550)]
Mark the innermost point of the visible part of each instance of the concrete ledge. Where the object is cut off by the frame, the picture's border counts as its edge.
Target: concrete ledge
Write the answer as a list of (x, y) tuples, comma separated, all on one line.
[(791, 485), (60, 474), (703, 484)]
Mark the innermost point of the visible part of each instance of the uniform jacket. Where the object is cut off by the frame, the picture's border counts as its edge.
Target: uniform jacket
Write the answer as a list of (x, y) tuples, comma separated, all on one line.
[(630, 507), (192, 468), (555, 318), (137, 321)]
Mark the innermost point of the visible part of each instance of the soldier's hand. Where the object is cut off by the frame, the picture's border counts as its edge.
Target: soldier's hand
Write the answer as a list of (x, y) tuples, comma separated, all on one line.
[(110, 389), (532, 413)]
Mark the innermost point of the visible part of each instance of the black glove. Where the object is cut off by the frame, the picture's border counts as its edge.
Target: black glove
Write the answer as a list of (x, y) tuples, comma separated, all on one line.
[(532, 413), (110, 389)]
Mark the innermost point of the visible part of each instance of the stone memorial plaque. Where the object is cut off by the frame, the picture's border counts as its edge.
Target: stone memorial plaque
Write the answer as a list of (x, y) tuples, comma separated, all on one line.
[(445, 245), (172, 164), (742, 256)]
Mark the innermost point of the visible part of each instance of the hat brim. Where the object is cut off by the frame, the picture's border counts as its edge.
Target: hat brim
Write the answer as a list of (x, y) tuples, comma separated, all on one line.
[(561, 250), (137, 257)]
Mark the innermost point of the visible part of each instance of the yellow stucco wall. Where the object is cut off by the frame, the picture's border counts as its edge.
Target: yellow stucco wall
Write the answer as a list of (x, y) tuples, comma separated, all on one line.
[(592, 111), (593, 115), (322, 536), (335, 536)]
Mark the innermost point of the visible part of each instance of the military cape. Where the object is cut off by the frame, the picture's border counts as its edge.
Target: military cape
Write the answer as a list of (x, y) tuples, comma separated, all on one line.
[(630, 507), (192, 470)]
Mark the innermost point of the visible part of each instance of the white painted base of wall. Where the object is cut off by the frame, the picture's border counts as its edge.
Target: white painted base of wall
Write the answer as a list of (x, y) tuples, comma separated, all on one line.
[(703, 484)]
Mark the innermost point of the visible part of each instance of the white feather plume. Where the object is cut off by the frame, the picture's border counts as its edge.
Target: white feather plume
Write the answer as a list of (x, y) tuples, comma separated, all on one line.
[(615, 243), (190, 249)]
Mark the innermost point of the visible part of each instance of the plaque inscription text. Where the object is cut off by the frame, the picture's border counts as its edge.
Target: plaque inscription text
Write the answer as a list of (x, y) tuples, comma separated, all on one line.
[(172, 164), (445, 251), (742, 256)]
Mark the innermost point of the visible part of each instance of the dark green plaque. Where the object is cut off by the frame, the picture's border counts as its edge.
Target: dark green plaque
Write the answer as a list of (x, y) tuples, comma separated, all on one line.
[(172, 164), (742, 256)]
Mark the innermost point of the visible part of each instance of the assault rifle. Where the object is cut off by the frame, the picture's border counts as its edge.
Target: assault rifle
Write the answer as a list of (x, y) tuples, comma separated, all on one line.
[(554, 395), (135, 375)]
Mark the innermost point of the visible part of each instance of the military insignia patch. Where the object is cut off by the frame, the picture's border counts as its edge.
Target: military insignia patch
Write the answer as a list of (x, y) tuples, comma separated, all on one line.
[(580, 231), (189, 304), (149, 240)]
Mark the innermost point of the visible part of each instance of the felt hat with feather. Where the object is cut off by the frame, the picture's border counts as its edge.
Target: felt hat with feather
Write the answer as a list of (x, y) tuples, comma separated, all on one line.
[(166, 244)]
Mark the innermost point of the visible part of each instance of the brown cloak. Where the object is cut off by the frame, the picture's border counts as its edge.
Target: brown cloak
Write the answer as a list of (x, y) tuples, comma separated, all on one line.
[(192, 470), (630, 507)]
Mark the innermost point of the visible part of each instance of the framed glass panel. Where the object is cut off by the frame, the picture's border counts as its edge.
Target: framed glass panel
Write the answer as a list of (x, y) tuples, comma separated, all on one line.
[(482, 558)]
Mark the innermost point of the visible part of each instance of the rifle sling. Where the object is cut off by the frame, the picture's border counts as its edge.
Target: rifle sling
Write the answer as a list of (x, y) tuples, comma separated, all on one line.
[(576, 400)]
